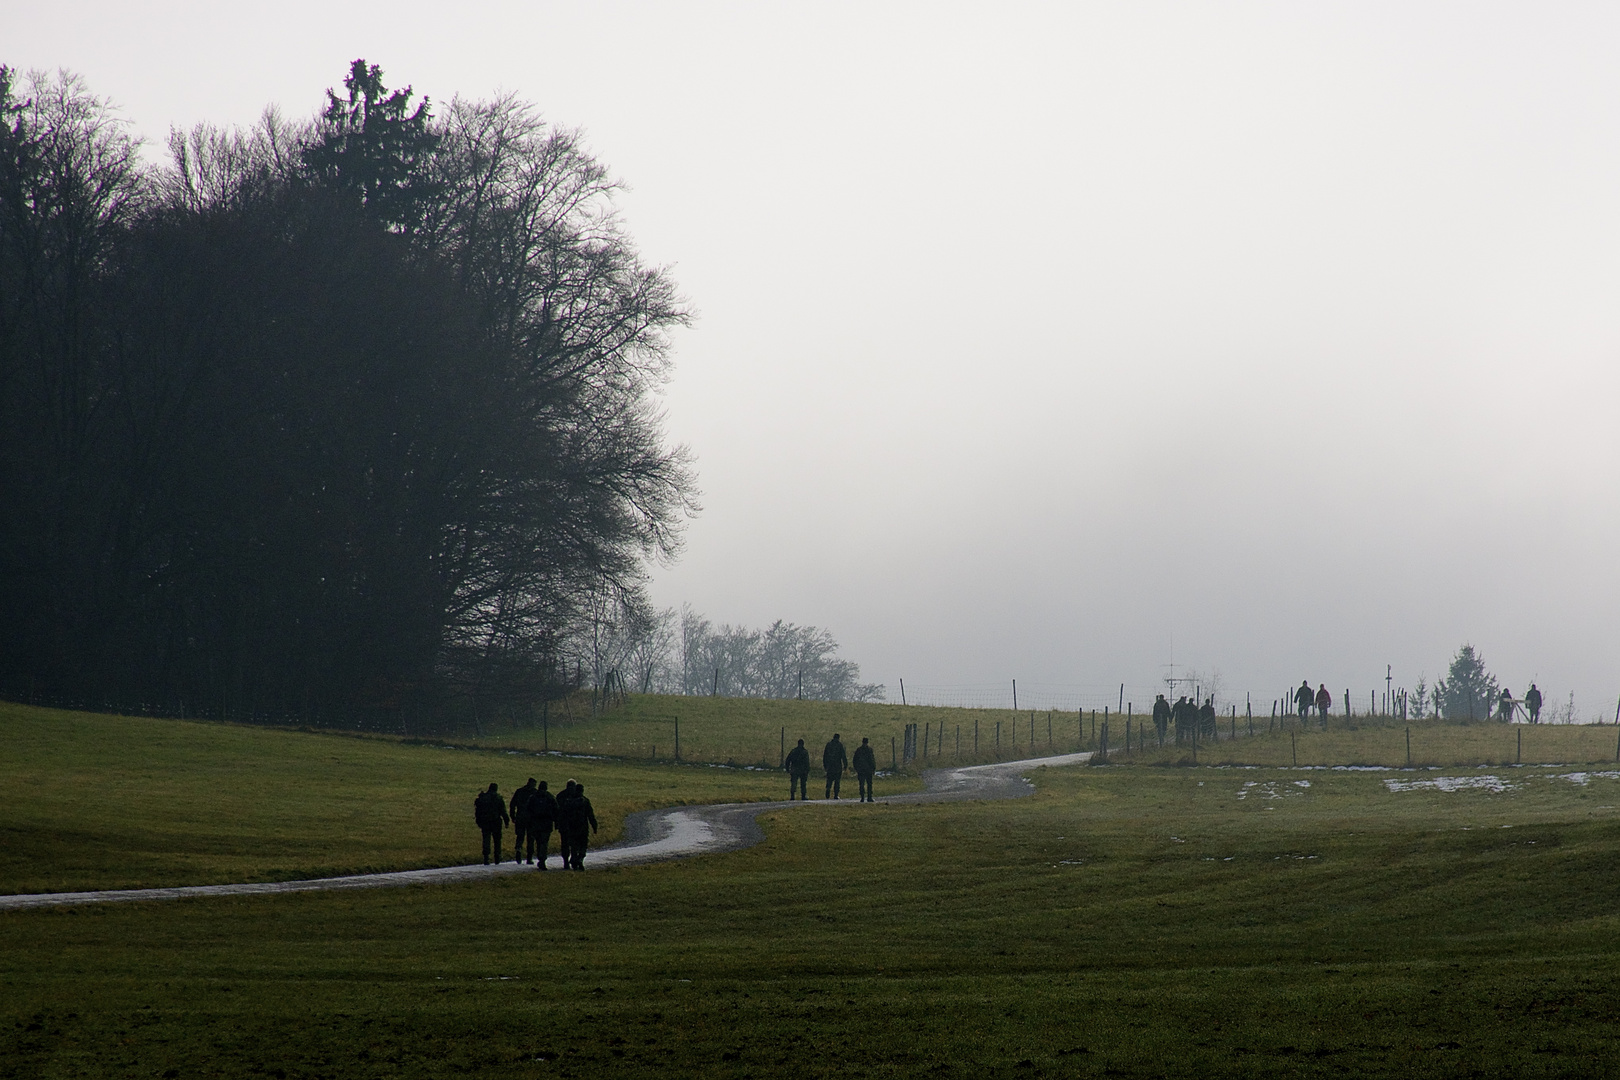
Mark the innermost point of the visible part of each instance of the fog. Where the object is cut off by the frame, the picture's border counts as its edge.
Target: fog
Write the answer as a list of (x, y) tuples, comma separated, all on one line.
[(1064, 342)]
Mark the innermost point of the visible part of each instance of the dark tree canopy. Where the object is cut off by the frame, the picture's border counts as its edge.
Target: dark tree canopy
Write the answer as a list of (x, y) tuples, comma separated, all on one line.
[(344, 419), (1468, 692)]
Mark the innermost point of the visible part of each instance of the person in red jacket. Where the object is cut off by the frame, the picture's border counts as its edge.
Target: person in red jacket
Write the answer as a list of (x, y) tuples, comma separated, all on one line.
[(1324, 702)]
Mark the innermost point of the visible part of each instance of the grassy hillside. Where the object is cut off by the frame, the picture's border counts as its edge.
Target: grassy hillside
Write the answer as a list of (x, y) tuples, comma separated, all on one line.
[(1365, 741), (1126, 921), (752, 731), (93, 801)]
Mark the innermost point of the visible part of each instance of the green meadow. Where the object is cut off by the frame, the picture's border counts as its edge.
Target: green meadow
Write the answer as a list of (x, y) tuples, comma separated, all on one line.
[(1131, 920), (104, 802), (754, 731)]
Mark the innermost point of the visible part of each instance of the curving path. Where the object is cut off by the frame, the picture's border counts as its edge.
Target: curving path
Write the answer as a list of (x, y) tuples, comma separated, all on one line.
[(650, 836)]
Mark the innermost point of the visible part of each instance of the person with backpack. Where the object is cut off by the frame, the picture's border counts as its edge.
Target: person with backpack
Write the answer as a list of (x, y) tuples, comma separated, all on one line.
[(798, 770), (834, 761), (520, 823), (865, 768), (542, 819), (489, 811)]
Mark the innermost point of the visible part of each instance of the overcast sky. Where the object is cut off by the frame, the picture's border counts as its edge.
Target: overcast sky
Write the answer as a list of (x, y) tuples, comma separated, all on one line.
[(1056, 342)]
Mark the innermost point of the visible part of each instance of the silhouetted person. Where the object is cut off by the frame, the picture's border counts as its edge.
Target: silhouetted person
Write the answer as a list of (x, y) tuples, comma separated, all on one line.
[(865, 768), (1206, 719), (562, 833), (489, 810), (835, 761), (1161, 717), (1185, 715), (1532, 703), (798, 770), (1504, 706), (1324, 702), (577, 817), (520, 822), (542, 819), (1304, 699)]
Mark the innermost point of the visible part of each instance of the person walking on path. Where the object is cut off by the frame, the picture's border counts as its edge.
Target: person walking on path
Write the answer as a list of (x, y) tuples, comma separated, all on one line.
[(865, 768), (562, 811), (798, 770), (1206, 719), (1161, 717), (1324, 702), (577, 818), (1532, 703), (520, 822), (542, 819), (1304, 699), (834, 761), (489, 811), (1504, 706)]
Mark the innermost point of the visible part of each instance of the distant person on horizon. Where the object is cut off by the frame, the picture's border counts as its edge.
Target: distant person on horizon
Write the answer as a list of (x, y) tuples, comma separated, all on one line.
[(1304, 699), (577, 817), (562, 831), (1504, 706), (834, 761), (865, 768), (1532, 703), (798, 770), (542, 819), (1161, 717), (489, 811), (1324, 702), (520, 822)]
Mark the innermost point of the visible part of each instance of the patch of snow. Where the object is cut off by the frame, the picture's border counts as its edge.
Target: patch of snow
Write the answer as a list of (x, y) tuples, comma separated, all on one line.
[(1494, 784)]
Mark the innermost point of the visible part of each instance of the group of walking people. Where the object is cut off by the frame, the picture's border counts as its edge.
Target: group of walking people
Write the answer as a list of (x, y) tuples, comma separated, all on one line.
[(535, 813), (834, 762), (1192, 721)]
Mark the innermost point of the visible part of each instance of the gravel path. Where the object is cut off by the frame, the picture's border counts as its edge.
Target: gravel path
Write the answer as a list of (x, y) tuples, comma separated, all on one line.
[(650, 836)]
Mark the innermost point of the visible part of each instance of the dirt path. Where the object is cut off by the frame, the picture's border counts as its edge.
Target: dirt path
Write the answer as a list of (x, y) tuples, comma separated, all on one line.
[(650, 836)]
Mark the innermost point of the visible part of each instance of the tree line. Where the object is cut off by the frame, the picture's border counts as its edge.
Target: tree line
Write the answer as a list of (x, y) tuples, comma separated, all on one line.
[(343, 417), (682, 652)]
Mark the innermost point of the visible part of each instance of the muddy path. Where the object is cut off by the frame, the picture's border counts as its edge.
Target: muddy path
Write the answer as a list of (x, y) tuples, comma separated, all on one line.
[(650, 836)]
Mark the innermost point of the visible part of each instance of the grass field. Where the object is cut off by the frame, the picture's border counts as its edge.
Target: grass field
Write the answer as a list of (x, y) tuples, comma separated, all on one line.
[(1125, 921), (752, 731), (99, 802), (1369, 741)]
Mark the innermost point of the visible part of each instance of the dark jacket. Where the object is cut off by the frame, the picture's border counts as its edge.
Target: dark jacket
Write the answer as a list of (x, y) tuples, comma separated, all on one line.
[(865, 760), (798, 761), (542, 810), (520, 803), (1304, 697), (833, 758), (574, 813), (489, 810)]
